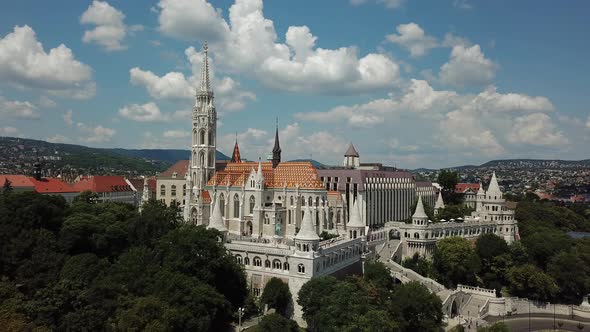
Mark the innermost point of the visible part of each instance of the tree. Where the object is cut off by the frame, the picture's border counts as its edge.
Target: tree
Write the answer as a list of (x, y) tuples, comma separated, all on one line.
[(571, 274), (448, 180), (530, 282), (7, 187), (313, 297), (453, 211), (378, 274), (419, 264), (541, 246), (421, 310), (455, 261), (276, 295), (276, 322), (487, 247)]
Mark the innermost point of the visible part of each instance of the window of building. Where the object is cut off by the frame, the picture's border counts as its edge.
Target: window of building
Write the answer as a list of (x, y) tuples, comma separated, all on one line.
[(257, 261), (276, 264), (286, 266), (267, 263), (202, 137), (301, 268), (239, 259), (162, 190), (222, 204), (246, 260), (236, 206), (173, 190), (256, 291)]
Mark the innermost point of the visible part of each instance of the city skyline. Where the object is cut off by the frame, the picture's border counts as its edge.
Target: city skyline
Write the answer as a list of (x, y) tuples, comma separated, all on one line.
[(408, 86)]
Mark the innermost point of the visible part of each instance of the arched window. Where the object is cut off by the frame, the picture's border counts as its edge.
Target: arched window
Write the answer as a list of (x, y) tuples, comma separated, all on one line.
[(252, 203), (211, 159), (239, 259), (211, 138), (291, 200), (276, 264), (257, 261), (173, 190), (301, 268), (202, 159), (317, 201), (286, 266), (195, 141), (267, 263), (310, 201), (202, 137), (236, 206), (222, 204), (289, 217), (162, 190), (416, 236), (246, 260)]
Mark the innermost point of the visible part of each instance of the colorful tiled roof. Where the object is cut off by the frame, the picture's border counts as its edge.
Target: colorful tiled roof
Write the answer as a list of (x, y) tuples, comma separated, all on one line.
[(180, 168), (463, 187), (206, 197), (289, 174), (17, 181), (51, 185), (102, 184)]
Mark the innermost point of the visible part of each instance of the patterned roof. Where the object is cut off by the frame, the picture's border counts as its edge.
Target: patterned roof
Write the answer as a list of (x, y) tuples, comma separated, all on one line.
[(289, 174)]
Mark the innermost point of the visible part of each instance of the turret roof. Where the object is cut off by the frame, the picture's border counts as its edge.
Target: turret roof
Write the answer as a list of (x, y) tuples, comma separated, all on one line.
[(216, 220), (307, 231), (440, 204), (355, 216), (351, 151), (420, 213)]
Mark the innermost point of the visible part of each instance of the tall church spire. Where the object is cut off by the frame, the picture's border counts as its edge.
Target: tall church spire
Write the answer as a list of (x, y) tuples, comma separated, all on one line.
[(205, 83), (276, 150), (235, 157)]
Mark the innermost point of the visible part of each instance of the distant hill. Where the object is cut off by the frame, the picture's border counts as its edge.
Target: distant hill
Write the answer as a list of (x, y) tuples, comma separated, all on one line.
[(315, 163), (168, 155), (16, 152)]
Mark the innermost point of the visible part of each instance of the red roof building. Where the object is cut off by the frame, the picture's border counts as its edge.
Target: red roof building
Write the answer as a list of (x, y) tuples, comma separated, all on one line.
[(18, 182), (51, 186), (109, 188), (461, 188)]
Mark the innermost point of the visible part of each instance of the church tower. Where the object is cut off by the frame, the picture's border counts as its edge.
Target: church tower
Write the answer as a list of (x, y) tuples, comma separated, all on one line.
[(202, 163), (276, 150)]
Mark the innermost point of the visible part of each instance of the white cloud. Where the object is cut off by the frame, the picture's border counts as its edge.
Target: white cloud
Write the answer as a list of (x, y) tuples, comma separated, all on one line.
[(464, 130), (172, 85), (536, 129), (10, 131), (248, 43), (24, 63), (46, 102), (467, 66), (391, 4), (68, 117), (412, 37), (149, 112), (18, 109), (96, 134), (491, 100), (463, 4), (57, 138), (176, 134), (109, 31), (588, 122)]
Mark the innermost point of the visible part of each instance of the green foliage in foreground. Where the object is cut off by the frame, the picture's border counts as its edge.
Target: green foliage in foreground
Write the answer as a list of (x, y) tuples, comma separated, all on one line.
[(496, 327), (371, 303), (276, 295), (104, 266)]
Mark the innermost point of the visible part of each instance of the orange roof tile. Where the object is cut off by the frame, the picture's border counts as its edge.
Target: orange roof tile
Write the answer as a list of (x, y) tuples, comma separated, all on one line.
[(51, 185), (17, 181), (206, 197), (289, 174), (463, 187), (180, 168), (102, 184)]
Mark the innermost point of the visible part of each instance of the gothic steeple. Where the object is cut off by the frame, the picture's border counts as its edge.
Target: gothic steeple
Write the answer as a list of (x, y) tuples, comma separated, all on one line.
[(276, 150), (205, 82), (235, 158)]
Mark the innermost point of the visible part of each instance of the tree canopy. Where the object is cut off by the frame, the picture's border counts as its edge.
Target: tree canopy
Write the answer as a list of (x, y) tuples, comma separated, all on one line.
[(455, 262), (276, 295)]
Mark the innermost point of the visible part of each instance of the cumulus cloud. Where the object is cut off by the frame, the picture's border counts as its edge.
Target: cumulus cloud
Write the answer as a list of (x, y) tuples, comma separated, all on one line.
[(175, 85), (68, 119), (109, 30), (467, 66), (18, 109), (25, 64), (412, 37), (490, 99), (10, 131), (248, 43), (149, 112), (95, 134), (536, 129), (464, 130), (46, 102)]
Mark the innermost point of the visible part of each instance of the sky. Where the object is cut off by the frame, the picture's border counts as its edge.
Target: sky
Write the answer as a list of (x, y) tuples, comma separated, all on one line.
[(412, 83)]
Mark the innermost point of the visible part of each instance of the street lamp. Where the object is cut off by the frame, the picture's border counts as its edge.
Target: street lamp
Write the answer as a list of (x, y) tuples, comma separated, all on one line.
[(240, 313)]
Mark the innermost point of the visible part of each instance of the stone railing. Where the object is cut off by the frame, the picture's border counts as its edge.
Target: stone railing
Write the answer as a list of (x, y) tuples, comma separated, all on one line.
[(484, 310), (476, 290)]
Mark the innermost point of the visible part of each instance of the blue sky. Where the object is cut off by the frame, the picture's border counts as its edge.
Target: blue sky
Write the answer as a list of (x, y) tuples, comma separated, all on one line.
[(412, 83)]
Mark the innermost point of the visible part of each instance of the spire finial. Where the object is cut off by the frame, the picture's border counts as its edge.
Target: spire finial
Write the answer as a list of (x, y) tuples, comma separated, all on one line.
[(205, 83)]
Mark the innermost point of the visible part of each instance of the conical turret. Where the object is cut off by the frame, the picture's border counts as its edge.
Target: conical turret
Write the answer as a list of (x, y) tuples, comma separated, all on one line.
[(216, 220), (307, 231), (494, 188), (419, 213), (355, 216), (440, 203)]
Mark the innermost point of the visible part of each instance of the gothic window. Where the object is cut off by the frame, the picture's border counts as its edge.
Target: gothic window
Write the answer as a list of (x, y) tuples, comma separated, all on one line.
[(338, 217), (211, 159), (173, 190), (291, 200), (211, 140), (246, 260), (289, 217), (276, 264), (236, 206), (257, 261), (252, 203), (239, 259), (162, 190), (267, 263), (317, 201), (222, 205), (202, 159), (301, 268), (309, 201), (202, 137), (286, 266)]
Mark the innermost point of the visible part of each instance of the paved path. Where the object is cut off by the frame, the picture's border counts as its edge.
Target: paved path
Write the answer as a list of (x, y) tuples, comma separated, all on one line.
[(521, 324)]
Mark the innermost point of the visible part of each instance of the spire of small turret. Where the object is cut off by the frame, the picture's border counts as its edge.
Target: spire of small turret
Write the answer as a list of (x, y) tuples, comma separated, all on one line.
[(440, 203), (419, 213), (307, 231), (216, 220), (355, 216), (351, 151), (494, 188), (235, 158), (276, 150), (205, 83)]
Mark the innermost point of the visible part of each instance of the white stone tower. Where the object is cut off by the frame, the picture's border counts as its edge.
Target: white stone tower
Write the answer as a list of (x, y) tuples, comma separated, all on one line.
[(202, 163)]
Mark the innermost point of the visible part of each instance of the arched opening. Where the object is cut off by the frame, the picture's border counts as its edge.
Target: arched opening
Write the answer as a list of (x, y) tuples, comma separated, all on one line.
[(222, 205), (202, 137), (301, 268), (236, 206), (202, 159), (249, 227), (252, 203), (162, 190), (257, 261), (454, 309)]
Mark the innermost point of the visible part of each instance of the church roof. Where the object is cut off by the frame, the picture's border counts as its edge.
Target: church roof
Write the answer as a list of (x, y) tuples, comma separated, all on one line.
[(180, 168), (307, 231), (289, 174), (277, 146), (419, 213), (461, 188), (351, 151), (235, 157)]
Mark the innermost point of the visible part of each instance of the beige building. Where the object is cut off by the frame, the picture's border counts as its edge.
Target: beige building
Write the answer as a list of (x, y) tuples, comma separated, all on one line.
[(171, 184)]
